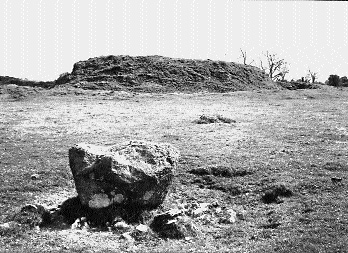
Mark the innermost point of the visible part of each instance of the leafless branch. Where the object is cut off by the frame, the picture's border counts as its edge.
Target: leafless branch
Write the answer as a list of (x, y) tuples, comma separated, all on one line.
[(244, 56), (312, 75)]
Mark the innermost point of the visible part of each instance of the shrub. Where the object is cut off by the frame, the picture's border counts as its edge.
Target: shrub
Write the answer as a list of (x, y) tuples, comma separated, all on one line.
[(344, 81), (272, 194), (334, 80)]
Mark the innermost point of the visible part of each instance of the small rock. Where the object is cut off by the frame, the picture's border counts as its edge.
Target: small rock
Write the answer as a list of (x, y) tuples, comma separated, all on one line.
[(203, 208), (241, 215), (5, 225), (32, 215), (80, 223), (215, 204), (121, 225), (127, 236), (76, 224), (336, 180), (35, 176), (175, 226), (233, 216), (208, 119), (229, 217), (85, 226), (174, 212), (142, 228), (9, 227)]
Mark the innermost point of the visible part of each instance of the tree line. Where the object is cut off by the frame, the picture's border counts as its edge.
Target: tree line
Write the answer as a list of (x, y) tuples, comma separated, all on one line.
[(277, 68)]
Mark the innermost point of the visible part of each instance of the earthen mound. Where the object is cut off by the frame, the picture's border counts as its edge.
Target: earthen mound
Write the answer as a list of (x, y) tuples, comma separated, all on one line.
[(164, 74)]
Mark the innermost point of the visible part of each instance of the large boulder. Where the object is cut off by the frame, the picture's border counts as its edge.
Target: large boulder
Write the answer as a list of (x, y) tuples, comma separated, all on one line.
[(136, 174)]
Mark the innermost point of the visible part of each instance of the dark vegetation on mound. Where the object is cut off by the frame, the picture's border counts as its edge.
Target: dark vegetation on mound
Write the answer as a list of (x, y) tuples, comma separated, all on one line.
[(164, 74)]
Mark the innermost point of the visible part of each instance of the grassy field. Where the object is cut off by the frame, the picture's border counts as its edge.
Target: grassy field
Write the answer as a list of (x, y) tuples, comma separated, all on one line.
[(297, 139)]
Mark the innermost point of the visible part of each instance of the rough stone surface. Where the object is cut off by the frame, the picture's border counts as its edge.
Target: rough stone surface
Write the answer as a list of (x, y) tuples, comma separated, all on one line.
[(133, 174)]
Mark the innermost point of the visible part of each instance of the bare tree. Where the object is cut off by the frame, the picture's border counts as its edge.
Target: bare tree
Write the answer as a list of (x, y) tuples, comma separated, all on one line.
[(312, 75), (244, 56), (276, 68), (284, 70)]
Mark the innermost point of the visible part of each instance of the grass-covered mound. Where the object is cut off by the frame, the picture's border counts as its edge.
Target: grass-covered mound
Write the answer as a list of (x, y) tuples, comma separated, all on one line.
[(158, 73)]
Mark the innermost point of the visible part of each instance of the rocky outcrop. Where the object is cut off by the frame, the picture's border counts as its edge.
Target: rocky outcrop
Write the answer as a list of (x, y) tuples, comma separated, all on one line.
[(134, 175), (164, 74)]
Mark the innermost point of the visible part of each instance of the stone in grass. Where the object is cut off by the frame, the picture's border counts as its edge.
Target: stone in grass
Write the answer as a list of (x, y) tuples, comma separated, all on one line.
[(229, 217), (142, 228), (32, 215), (35, 177), (201, 209), (272, 194), (127, 236), (134, 176), (121, 226), (10, 228), (142, 233), (139, 233), (173, 225), (208, 119), (80, 223)]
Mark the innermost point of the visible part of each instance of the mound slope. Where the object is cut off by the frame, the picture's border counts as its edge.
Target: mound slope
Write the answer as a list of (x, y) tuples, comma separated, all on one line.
[(158, 73)]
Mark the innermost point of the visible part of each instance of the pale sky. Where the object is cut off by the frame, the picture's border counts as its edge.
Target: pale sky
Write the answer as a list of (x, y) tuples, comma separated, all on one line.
[(42, 39)]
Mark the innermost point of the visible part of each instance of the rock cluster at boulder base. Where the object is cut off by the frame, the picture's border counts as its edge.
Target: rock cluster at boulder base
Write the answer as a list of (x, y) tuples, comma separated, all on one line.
[(117, 180)]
